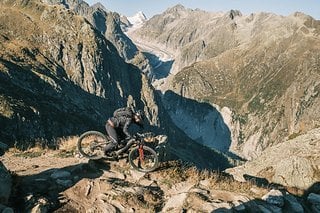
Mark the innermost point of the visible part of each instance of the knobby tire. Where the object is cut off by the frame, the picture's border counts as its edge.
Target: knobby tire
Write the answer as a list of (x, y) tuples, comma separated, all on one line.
[(91, 144), (149, 162)]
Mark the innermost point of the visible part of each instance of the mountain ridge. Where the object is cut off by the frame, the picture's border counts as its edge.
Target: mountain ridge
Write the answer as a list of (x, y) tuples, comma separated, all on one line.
[(255, 65)]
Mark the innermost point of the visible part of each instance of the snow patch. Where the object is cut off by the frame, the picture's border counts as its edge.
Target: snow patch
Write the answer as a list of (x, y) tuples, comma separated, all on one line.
[(137, 20)]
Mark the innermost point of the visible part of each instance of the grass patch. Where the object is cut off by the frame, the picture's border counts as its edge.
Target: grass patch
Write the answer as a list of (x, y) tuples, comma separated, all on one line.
[(67, 143), (177, 172), (33, 152), (294, 135)]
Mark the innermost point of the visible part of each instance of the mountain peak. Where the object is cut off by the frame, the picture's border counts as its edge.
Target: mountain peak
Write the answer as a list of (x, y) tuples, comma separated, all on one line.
[(234, 13), (138, 19), (178, 7), (98, 5)]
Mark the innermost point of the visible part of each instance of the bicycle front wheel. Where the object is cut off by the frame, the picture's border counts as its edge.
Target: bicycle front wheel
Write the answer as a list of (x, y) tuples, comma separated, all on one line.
[(143, 159), (91, 144)]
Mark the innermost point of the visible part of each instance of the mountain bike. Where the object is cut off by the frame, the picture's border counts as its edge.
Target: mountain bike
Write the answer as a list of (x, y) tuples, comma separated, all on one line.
[(141, 157)]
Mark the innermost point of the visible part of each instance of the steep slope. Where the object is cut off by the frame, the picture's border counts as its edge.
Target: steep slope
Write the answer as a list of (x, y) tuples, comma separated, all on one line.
[(108, 23), (55, 65), (271, 83), (260, 72), (60, 76), (190, 35)]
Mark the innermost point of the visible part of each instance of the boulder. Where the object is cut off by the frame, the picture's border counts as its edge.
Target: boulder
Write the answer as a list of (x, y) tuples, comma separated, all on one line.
[(293, 163), (274, 197), (3, 148), (5, 184)]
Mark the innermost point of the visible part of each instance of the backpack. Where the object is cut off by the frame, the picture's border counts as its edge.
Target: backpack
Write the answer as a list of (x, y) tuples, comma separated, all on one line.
[(125, 111)]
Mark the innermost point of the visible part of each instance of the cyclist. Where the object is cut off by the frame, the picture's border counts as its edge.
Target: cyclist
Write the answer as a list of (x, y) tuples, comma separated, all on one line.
[(117, 126)]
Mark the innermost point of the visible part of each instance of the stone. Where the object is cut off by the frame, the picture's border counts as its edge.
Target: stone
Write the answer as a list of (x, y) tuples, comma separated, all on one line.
[(314, 198), (64, 183), (5, 184), (292, 204), (58, 174), (274, 197), (293, 163)]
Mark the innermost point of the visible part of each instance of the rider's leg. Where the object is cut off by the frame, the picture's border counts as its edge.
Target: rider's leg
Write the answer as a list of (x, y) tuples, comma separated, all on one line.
[(113, 136)]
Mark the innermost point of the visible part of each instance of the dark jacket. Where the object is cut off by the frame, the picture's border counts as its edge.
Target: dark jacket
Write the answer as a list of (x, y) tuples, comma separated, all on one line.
[(123, 123)]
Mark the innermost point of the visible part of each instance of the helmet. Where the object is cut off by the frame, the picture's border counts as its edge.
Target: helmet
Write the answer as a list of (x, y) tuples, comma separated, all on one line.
[(139, 114)]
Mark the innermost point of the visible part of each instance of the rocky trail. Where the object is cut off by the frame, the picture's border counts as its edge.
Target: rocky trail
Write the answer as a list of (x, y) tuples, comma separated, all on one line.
[(60, 181)]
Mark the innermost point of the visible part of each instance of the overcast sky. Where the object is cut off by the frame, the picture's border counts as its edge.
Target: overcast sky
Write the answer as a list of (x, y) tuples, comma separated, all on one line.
[(153, 7)]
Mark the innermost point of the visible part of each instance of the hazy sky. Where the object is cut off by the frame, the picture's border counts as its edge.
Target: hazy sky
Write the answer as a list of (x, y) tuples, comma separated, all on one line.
[(153, 7)]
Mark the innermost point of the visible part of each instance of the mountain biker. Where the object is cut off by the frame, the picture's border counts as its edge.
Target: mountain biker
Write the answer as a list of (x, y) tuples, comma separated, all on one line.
[(117, 126)]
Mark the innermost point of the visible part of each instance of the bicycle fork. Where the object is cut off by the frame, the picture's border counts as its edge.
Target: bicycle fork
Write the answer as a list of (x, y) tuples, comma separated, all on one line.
[(141, 153)]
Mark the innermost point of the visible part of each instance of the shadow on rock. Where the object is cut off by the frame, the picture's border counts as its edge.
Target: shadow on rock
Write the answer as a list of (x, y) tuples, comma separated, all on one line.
[(279, 199), (43, 189)]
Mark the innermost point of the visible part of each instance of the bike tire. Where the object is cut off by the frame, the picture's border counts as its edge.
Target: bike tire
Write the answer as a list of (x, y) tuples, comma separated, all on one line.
[(91, 144), (150, 157)]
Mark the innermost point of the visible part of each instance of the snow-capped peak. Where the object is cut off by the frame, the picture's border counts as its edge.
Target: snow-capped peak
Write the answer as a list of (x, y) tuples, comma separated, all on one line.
[(137, 19)]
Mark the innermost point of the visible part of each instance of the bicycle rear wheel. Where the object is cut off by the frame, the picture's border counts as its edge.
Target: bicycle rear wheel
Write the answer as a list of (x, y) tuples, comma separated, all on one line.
[(143, 159), (91, 144)]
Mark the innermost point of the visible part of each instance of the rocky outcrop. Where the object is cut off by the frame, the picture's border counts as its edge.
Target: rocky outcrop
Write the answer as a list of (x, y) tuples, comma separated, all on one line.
[(108, 23), (5, 182), (293, 163), (80, 186)]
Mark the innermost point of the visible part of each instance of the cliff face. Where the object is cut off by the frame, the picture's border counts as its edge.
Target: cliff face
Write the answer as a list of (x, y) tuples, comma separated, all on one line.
[(108, 23), (260, 72), (58, 73)]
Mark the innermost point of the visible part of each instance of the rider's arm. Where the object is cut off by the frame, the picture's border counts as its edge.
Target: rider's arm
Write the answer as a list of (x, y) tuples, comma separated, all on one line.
[(126, 126)]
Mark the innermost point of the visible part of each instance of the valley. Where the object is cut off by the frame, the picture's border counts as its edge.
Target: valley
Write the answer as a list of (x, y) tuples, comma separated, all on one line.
[(236, 95)]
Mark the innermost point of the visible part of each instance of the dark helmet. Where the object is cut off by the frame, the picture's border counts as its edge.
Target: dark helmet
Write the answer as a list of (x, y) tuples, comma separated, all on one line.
[(139, 114)]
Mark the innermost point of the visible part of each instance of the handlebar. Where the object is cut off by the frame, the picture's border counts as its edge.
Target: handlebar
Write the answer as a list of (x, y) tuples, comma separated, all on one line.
[(143, 135)]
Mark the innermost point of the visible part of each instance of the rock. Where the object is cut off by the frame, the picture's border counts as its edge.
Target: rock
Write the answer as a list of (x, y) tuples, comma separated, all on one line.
[(205, 182), (263, 209), (314, 198), (199, 191), (64, 183), (274, 197), (136, 175), (292, 205), (239, 206), (266, 208), (294, 163), (39, 208), (42, 206), (3, 148), (60, 174), (5, 184), (316, 208), (175, 203)]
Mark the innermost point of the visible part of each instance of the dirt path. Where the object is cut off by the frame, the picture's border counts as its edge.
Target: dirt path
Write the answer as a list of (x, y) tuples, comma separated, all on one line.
[(22, 165)]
